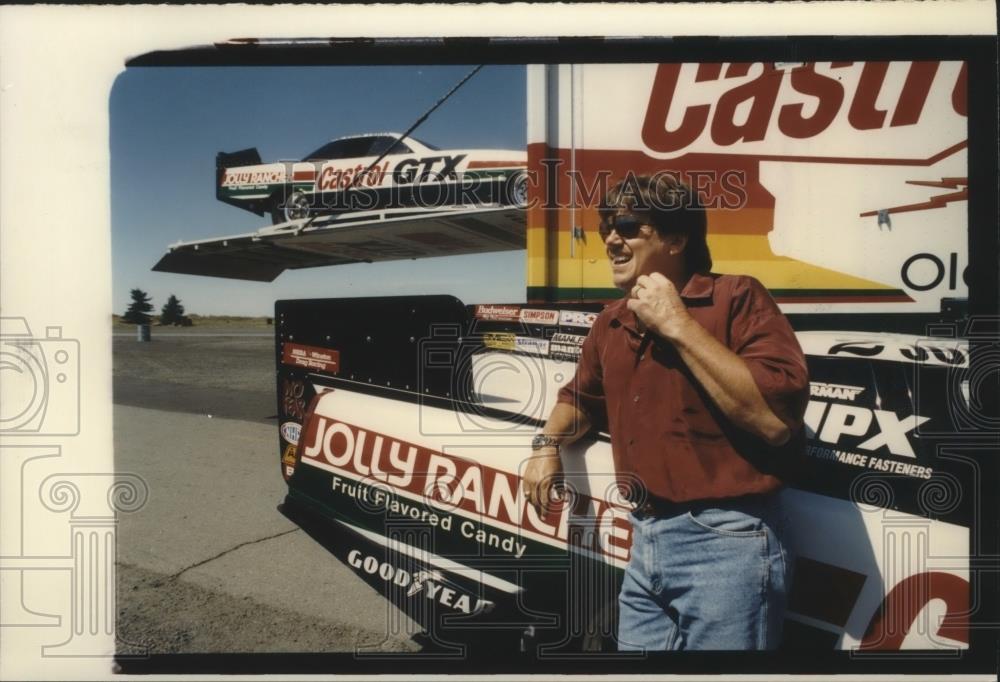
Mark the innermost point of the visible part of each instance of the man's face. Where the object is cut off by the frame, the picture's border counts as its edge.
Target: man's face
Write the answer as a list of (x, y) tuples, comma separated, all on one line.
[(638, 249)]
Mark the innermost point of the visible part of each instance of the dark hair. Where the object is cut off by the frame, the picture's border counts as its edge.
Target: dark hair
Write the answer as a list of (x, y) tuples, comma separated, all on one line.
[(671, 208)]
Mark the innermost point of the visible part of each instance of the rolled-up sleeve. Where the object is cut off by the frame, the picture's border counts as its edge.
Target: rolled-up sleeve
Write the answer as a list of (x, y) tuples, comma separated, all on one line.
[(762, 336), (585, 390)]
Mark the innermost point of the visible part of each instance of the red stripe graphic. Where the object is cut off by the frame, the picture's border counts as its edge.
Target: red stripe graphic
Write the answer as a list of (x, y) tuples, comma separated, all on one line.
[(939, 201), (863, 160), (906, 600), (844, 298), (494, 164)]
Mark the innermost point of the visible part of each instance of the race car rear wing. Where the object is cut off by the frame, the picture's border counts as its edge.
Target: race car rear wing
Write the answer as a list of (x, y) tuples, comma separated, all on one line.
[(224, 160), (367, 237)]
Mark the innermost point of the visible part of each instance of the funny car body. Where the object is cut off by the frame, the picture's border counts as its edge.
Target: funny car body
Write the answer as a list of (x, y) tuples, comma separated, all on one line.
[(411, 436), (368, 172)]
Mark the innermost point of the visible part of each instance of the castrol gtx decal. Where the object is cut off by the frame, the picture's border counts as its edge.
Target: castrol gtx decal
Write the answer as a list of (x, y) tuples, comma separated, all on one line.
[(333, 177), (427, 169), (480, 503), (696, 107)]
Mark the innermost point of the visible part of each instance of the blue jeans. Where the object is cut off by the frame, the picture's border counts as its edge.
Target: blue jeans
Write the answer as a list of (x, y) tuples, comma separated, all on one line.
[(708, 576)]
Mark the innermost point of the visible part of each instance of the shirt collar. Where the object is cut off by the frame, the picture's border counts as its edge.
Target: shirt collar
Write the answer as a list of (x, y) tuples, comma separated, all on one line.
[(698, 288)]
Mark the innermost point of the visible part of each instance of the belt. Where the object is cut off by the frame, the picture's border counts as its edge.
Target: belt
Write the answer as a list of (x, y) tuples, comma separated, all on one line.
[(659, 506), (652, 506)]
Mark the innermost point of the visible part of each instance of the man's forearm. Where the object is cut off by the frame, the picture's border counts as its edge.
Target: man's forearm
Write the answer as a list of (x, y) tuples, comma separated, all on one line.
[(566, 423), (728, 381)]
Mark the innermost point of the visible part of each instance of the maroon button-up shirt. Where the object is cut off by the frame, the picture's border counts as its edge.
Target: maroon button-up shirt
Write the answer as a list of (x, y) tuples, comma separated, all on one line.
[(664, 428)]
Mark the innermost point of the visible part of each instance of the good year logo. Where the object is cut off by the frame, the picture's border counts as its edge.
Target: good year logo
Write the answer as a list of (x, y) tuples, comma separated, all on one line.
[(419, 581)]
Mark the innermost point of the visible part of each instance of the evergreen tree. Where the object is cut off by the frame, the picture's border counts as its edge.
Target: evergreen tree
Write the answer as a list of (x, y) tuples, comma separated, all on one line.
[(138, 309), (173, 313)]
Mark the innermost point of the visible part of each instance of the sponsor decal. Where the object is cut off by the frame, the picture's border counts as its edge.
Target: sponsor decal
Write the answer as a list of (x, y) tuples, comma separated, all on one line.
[(235, 178), (427, 168), (498, 313), (818, 389), (419, 582), (338, 178), (499, 340), (530, 316), (564, 352), (914, 271), (293, 401), (288, 461), (832, 422), (758, 102), (566, 345), (576, 318), (922, 353), (290, 431), (868, 461), (311, 357), (571, 339), (531, 346), (483, 504), (837, 432)]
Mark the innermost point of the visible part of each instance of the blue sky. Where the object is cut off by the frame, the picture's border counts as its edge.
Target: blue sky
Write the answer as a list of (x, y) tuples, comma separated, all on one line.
[(168, 123)]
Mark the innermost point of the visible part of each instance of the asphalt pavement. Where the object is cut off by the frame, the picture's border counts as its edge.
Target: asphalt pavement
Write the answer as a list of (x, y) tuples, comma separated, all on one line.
[(208, 564)]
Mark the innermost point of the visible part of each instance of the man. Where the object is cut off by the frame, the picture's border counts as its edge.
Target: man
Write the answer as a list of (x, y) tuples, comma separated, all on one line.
[(702, 385)]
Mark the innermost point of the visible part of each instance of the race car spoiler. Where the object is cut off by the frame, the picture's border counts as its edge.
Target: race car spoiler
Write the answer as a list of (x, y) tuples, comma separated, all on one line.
[(224, 160), (366, 237)]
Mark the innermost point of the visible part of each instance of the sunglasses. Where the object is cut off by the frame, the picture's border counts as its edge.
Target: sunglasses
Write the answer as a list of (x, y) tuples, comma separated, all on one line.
[(626, 226)]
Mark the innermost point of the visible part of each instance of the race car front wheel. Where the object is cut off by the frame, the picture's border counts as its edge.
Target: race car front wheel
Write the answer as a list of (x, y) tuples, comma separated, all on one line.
[(293, 207)]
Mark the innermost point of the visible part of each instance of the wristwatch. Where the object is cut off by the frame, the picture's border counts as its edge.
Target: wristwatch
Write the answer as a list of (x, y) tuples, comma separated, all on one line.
[(543, 441)]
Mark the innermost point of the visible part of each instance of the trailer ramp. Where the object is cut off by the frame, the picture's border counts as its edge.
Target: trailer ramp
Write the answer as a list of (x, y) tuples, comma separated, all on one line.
[(361, 237)]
